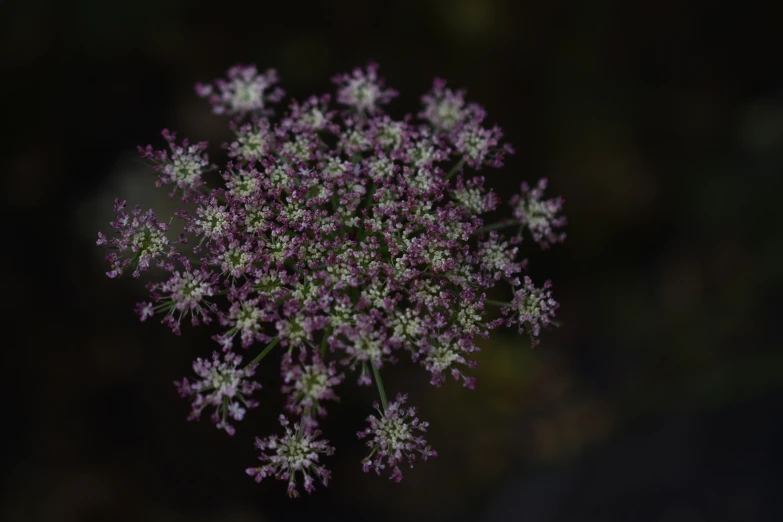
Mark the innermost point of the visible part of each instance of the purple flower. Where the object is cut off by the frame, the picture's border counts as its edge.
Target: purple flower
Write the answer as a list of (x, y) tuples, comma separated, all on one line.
[(392, 438), (308, 385), (312, 115), (245, 317), (139, 239), (474, 197), (296, 452), (532, 307), (498, 259), (362, 89), (145, 311), (443, 356), (244, 91), (253, 141), (222, 385), (445, 108), (478, 145), (184, 293), (182, 166), (541, 217), (337, 238)]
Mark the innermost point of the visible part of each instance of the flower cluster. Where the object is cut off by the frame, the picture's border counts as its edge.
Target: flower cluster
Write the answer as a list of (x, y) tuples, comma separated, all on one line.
[(296, 451), (307, 385), (138, 240), (532, 308), (540, 217), (345, 239), (224, 386), (243, 91), (363, 90), (182, 165), (392, 438)]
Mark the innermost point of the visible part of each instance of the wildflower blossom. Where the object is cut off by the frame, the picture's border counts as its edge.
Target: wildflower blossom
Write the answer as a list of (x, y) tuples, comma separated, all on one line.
[(312, 115), (245, 318), (539, 216), (244, 91), (533, 307), (478, 145), (145, 310), (253, 141), (445, 108), (392, 438), (342, 240), (498, 258), (140, 238), (308, 385), (474, 197), (443, 356), (363, 90), (296, 452), (182, 166), (224, 386), (184, 293)]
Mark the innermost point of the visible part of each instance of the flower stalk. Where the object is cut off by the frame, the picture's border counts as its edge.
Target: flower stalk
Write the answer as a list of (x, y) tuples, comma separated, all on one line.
[(379, 383)]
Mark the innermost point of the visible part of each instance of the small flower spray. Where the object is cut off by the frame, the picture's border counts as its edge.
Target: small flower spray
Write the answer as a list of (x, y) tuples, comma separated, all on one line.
[(344, 240)]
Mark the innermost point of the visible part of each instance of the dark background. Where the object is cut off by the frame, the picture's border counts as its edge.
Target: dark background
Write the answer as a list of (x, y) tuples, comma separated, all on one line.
[(658, 400)]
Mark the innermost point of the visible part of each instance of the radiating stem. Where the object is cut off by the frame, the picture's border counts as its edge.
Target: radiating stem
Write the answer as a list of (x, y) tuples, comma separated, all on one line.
[(497, 226), (324, 340), (501, 304), (265, 351), (379, 383), (370, 194), (455, 168)]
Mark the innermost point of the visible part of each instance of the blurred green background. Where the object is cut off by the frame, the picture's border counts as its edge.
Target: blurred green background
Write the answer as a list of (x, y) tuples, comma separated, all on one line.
[(658, 400)]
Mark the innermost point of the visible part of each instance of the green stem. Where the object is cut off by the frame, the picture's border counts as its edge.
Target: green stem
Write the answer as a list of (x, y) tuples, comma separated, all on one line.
[(324, 343), (370, 194), (501, 304), (265, 351), (455, 168), (497, 226), (379, 383)]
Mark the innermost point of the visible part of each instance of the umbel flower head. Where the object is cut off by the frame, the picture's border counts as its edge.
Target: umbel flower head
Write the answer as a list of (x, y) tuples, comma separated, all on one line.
[(342, 240), (308, 385), (296, 452), (392, 438), (222, 385)]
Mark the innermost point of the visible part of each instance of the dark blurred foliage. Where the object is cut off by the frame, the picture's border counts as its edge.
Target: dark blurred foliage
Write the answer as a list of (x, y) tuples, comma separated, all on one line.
[(661, 123)]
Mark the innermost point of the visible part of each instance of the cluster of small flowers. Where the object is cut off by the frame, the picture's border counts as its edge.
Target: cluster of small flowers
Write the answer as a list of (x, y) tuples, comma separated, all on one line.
[(392, 438), (348, 238), (224, 386)]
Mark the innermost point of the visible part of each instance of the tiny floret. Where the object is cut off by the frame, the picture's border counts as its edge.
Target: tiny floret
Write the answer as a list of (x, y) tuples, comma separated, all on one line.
[(363, 89), (223, 386), (541, 217), (182, 166), (307, 386), (139, 240), (445, 108), (533, 308), (394, 437), (243, 91), (183, 294), (298, 452)]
